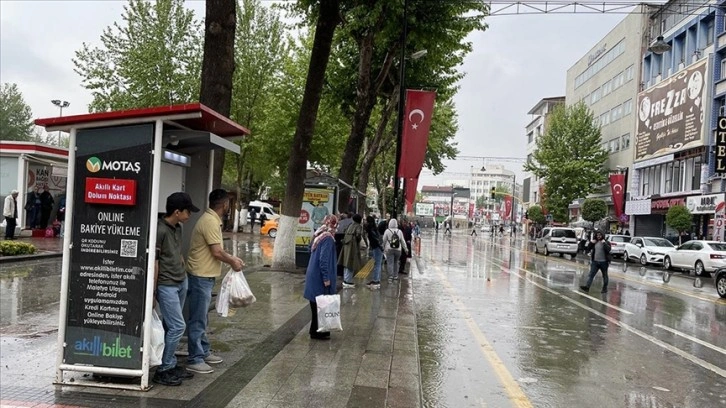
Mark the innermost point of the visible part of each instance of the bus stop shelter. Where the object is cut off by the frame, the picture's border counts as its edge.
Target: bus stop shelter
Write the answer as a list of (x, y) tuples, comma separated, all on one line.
[(121, 167)]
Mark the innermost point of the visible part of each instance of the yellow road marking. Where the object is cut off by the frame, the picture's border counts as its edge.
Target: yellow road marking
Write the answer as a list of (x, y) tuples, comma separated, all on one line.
[(365, 270), (511, 387)]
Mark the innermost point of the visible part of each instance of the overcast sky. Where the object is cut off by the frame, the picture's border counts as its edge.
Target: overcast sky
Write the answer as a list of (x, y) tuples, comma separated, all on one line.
[(516, 62)]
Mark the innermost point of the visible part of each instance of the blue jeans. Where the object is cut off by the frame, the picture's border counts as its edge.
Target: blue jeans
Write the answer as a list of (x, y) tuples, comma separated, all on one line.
[(377, 255), (348, 275), (171, 301), (200, 295), (602, 266)]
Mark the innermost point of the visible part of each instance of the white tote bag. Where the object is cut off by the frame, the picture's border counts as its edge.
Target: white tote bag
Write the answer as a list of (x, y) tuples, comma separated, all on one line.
[(328, 313), (157, 340)]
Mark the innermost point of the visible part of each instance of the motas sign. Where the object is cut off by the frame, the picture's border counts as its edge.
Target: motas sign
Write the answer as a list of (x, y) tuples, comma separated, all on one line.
[(704, 204)]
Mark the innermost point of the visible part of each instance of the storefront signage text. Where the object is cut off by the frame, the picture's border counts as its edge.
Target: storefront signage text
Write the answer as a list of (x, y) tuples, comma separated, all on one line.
[(705, 204), (671, 114), (721, 147), (110, 191), (666, 203)]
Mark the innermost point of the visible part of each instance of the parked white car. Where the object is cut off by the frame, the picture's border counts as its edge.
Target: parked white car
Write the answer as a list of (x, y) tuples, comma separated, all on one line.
[(647, 250), (617, 244), (556, 240), (701, 256)]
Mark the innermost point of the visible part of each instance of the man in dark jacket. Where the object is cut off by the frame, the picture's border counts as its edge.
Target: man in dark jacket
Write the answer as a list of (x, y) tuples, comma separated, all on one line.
[(408, 237), (599, 260)]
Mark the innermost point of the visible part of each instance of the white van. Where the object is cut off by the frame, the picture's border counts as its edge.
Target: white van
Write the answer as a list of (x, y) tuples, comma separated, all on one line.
[(261, 207)]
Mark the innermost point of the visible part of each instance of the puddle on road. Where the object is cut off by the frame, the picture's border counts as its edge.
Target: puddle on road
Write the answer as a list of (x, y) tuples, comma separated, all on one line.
[(30, 295)]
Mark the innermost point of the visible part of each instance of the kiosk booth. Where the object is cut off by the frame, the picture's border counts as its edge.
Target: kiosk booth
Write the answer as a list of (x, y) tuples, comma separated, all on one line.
[(121, 167)]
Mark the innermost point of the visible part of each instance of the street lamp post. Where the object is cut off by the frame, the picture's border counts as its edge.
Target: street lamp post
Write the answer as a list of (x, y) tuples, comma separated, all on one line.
[(60, 104)]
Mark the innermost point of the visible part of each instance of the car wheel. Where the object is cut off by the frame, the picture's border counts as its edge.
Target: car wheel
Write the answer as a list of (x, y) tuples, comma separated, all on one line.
[(699, 268), (626, 258), (721, 285), (272, 233), (546, 252), (643, 260), (667, 263), (561, 254), (535, 249)]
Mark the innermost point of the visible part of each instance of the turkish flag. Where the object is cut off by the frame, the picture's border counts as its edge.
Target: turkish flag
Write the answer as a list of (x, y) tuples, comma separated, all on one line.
[(415, 138), (411, 185), (508, 207), (617, 188)]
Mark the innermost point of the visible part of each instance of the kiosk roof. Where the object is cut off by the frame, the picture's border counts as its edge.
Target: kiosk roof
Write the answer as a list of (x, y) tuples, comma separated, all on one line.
[(194, 116)]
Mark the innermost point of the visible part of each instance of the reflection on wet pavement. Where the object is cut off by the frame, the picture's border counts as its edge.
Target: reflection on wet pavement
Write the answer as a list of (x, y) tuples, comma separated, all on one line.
[(29, 290), (632, 347)]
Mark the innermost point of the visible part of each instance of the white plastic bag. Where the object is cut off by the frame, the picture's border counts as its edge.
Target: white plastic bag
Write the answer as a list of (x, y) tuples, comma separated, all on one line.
[(240, 294), (328, 313), (223, 297), (156, 349)]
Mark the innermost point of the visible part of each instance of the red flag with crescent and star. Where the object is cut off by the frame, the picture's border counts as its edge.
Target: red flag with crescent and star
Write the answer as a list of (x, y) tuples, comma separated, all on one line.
[(416, 124), (617, 188)]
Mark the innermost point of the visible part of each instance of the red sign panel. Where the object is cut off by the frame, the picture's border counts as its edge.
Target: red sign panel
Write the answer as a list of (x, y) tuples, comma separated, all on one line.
[(110, 191)]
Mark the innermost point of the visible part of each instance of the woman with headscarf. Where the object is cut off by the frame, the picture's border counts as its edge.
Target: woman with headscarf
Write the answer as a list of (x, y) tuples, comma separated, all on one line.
[(320, 275)]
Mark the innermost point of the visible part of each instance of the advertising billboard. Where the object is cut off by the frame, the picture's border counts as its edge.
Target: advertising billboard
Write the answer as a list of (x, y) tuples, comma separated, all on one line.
[(108, 258), (425, 209), (671, 114), (317, 203)]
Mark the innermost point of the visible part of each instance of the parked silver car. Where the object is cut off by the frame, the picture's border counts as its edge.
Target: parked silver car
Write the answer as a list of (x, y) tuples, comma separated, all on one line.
[(617, 244), (556, 240)]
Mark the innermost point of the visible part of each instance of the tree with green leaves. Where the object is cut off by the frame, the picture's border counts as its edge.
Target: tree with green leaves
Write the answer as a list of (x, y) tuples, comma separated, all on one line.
[(535, 214), (152, 58), (261, 49), (16, 118), (680, 219), (594, 209), (327, 17), (370, 43), (569, 157)]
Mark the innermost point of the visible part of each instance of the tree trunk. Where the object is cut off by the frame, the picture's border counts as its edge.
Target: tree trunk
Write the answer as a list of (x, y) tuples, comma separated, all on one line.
[(328, 18), (218, 65), (374, 148), (366, 93)]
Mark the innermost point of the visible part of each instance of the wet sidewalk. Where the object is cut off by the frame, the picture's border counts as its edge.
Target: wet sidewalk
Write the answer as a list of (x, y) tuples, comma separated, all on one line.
[(270, 360)]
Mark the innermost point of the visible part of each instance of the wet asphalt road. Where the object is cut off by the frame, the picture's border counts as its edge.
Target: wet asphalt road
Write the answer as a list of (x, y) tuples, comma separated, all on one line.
[(500, 326)]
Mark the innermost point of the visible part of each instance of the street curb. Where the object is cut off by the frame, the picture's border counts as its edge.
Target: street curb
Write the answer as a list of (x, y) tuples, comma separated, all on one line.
[(18, 258)]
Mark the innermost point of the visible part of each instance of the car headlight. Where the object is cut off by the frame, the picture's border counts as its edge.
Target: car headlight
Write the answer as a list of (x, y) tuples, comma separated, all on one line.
[(653, 252)]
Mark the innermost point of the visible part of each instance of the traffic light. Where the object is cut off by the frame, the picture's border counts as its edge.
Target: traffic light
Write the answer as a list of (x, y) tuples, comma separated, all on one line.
[(494, 192)]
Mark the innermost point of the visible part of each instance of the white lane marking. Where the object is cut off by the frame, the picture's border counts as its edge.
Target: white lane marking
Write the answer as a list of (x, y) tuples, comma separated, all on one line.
[(691, 338), (601, 302), (672, 349)]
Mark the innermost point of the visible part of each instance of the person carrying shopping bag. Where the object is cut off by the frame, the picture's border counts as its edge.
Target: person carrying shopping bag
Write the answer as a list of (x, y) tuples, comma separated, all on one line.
[(393, 244), (321, 274)]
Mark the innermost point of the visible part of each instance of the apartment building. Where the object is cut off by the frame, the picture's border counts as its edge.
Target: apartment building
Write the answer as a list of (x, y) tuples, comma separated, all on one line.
[(532, 186)]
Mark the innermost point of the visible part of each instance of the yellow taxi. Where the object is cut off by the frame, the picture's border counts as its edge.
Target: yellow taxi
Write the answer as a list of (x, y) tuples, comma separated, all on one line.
[(270, 228)]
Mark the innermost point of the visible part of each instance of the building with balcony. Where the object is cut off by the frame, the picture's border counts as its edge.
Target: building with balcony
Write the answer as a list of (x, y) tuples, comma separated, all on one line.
[(532, 185), (676, 118)]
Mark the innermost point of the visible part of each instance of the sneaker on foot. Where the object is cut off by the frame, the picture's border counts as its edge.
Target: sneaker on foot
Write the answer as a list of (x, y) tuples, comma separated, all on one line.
[(212, 359), (395, 278), (347, 285), (182, 373), (166, 377), (374, 285), (584, 288), (201, 368)]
